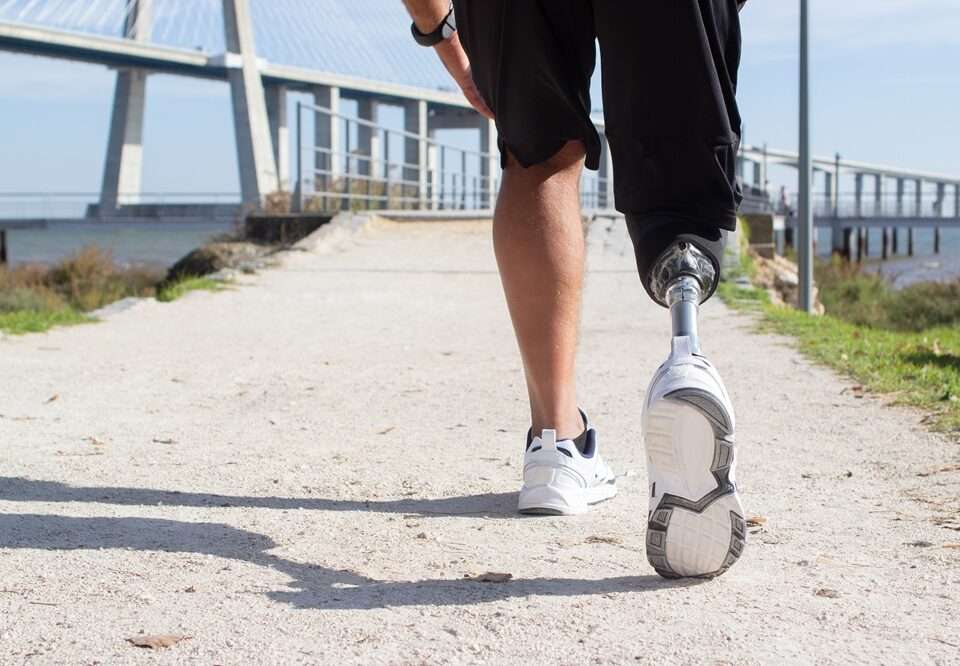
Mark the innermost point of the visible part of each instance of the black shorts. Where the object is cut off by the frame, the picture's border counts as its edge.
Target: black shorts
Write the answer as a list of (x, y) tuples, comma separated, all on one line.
[(669, 85)]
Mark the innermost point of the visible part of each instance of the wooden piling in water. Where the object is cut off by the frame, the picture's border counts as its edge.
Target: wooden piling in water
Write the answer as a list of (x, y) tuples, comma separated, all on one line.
[(3, 247), (936, 240), (910, 241), (885, 243)]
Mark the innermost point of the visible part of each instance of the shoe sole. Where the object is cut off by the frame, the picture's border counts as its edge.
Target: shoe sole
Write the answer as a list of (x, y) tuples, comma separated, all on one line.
[(689, 441), (553, 501)]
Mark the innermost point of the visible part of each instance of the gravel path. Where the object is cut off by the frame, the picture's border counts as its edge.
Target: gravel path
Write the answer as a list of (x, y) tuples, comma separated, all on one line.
[(306, 467)]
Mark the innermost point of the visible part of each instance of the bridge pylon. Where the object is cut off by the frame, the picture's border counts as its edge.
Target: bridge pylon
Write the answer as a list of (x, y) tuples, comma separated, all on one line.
[(255, 155), (123, 167)]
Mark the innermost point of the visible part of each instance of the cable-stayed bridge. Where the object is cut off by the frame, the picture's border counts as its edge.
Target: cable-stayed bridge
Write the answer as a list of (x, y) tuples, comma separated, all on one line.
[(361, 50)]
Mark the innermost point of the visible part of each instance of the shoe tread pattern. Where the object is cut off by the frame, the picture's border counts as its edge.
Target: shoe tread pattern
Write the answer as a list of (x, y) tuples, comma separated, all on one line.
[(659, 521)]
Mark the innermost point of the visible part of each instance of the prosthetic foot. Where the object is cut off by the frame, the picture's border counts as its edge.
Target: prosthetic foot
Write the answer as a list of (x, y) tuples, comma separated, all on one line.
[(696, 523)]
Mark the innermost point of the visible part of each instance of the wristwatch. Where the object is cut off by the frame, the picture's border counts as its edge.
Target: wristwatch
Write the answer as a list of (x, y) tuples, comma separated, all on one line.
[(444, 31)]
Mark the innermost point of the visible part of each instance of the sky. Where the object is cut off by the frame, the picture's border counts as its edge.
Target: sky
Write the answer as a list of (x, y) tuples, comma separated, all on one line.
[(885, 88)]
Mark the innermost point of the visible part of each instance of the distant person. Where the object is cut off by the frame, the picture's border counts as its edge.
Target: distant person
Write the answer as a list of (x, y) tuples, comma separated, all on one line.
[(669, 84)]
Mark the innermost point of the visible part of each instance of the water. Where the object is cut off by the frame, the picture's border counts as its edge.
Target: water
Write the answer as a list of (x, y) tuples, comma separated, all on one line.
[(901, 270), (150, 243), (162, 243)]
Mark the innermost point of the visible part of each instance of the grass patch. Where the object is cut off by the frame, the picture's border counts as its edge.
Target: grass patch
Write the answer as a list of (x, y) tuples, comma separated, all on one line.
[(174, 290), (34, 298), (867, 299), (918, 367), (31, 321)]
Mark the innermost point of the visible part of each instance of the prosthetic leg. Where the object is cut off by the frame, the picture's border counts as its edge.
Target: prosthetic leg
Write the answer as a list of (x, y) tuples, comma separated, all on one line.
[(696, 522)]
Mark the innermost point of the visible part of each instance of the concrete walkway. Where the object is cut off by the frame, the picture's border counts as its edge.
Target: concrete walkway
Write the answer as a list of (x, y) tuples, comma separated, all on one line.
[(305, 468)]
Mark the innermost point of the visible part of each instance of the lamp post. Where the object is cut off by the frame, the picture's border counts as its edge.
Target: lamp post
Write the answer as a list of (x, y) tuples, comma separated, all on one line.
[(804, 209)]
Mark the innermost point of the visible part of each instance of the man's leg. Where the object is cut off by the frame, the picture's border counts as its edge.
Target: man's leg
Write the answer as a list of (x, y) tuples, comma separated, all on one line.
[(538, 238), (532, 63), (670, 75)]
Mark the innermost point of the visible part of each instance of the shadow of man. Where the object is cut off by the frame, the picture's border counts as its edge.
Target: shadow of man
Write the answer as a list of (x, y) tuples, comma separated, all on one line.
[(489, 505), (311, 585)]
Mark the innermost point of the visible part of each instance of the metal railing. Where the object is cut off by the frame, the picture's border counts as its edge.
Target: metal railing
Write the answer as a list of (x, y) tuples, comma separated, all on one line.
[(850, 205), (360, 165)]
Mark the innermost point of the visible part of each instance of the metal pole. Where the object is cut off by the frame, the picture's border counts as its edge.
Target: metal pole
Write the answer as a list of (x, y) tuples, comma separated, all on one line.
[(941, 200), (840, 239), (766, 174), (804, 210), (298, 191), (836, 194)]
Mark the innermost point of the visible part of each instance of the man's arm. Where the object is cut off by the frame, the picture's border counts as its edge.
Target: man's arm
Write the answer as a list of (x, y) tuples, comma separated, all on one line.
[(427, 15)]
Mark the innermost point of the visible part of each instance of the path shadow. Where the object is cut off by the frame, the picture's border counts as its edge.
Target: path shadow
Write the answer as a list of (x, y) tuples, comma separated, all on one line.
[(312, 586), (491, 505)]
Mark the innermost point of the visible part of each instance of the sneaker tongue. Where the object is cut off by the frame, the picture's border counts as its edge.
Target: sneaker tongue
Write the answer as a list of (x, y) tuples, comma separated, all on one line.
[(548, 439)]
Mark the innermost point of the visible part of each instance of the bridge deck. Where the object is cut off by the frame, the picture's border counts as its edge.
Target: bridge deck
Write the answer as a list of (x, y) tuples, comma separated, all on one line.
[(115, 52)]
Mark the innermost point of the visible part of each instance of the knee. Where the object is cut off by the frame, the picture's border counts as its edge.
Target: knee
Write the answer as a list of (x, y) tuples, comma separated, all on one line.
[(566, 162), (569, 158)]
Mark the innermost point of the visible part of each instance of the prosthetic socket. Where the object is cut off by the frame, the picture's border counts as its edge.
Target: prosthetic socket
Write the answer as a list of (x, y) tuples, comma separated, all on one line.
[(681, 278)]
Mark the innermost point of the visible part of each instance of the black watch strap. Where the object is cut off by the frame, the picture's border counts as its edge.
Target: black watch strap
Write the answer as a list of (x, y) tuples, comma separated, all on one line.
[(447, 27)]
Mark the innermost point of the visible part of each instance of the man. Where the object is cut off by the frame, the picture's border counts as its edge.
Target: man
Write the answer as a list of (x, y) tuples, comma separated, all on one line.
[(669, 83)]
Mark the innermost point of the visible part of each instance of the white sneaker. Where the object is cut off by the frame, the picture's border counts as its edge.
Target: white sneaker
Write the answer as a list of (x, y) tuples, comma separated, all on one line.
[(559, 480), (696, 525)]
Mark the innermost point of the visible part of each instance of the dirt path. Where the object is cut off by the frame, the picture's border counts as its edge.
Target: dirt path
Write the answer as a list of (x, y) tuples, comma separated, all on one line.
[(304, 469)]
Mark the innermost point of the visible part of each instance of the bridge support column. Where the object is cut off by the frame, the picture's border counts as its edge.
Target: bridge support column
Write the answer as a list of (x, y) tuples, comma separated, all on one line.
[(830, 187), (858, 213), (489, 163), (918, 211), (858, 196), (368, 139), (258, 168), (878, 211), (901, 190), (279, 133), (123, 168), (764, 174), (415, 154), (327, 139), (941, 200)]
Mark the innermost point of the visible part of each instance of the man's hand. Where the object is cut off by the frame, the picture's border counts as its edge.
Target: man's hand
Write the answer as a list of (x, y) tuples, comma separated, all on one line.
[(427, 14), (454, 58)]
